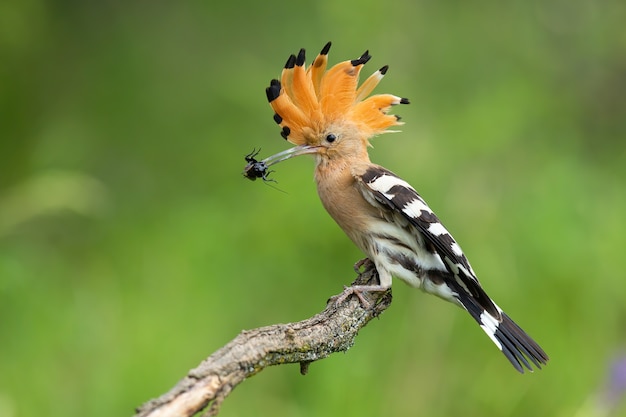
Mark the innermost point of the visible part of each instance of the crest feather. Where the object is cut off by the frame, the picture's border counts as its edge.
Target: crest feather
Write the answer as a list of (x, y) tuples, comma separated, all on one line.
[(306, 100)]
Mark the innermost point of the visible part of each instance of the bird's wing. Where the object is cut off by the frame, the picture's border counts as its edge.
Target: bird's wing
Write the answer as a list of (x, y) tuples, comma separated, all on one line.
[(383, 189), (389, 193)]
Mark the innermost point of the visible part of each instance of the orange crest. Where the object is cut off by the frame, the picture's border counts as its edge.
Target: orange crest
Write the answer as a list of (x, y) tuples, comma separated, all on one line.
[(307, 100)]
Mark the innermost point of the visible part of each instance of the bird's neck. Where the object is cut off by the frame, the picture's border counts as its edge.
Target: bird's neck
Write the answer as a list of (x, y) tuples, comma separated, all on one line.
[(336, 186)]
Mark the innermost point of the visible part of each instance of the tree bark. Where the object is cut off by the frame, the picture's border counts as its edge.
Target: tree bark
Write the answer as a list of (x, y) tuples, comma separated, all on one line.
[(332, 330)]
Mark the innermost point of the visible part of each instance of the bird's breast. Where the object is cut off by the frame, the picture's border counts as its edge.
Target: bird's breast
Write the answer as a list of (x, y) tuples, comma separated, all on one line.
[(336, 186)]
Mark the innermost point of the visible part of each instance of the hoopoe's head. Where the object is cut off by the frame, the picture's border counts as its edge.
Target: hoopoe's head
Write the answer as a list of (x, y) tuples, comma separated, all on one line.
[(325, 111)]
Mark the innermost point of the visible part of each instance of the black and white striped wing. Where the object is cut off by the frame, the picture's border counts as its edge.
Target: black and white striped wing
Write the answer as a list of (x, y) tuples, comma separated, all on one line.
[(392, 193), (381, 188)]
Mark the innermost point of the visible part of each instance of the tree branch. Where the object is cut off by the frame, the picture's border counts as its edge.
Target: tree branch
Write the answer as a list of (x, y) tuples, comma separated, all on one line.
[(332, 330)]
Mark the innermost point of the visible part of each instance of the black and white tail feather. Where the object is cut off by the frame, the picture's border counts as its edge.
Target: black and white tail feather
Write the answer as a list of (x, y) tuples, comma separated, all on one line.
[(447, 273)]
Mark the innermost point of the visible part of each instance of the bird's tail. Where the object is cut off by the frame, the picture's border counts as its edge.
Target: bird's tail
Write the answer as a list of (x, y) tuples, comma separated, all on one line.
[(519, 348)]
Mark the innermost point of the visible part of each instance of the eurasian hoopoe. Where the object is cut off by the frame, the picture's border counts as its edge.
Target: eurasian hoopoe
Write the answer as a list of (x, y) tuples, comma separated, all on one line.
[(326, 114)]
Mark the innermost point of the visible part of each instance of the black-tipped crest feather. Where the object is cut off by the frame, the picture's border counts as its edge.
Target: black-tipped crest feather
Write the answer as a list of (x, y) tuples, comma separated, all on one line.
[(301, 57), (291, 61), (362, 59), (325, 49)]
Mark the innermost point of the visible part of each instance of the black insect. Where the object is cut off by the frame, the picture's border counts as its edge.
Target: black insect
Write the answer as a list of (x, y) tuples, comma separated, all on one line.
[(256, 169)]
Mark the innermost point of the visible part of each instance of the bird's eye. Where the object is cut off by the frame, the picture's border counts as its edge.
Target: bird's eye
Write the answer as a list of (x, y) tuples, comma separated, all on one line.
[(331, 137)]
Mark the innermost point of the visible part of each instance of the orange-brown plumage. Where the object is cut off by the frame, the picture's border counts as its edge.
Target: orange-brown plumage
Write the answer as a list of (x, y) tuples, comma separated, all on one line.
[(310, 100)]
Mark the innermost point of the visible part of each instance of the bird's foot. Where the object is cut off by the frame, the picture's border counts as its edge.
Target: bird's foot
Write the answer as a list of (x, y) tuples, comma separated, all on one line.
[(357, 290)]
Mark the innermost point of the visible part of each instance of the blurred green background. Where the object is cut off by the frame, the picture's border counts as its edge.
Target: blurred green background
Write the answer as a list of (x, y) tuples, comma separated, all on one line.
[(131, 247)]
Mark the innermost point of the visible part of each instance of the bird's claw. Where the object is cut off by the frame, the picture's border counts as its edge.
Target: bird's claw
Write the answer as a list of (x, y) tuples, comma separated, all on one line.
[(357, 290), (359, 264), (347, 292)]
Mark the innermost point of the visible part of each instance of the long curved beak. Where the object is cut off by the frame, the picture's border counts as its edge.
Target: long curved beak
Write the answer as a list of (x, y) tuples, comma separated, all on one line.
[(289, 153)]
